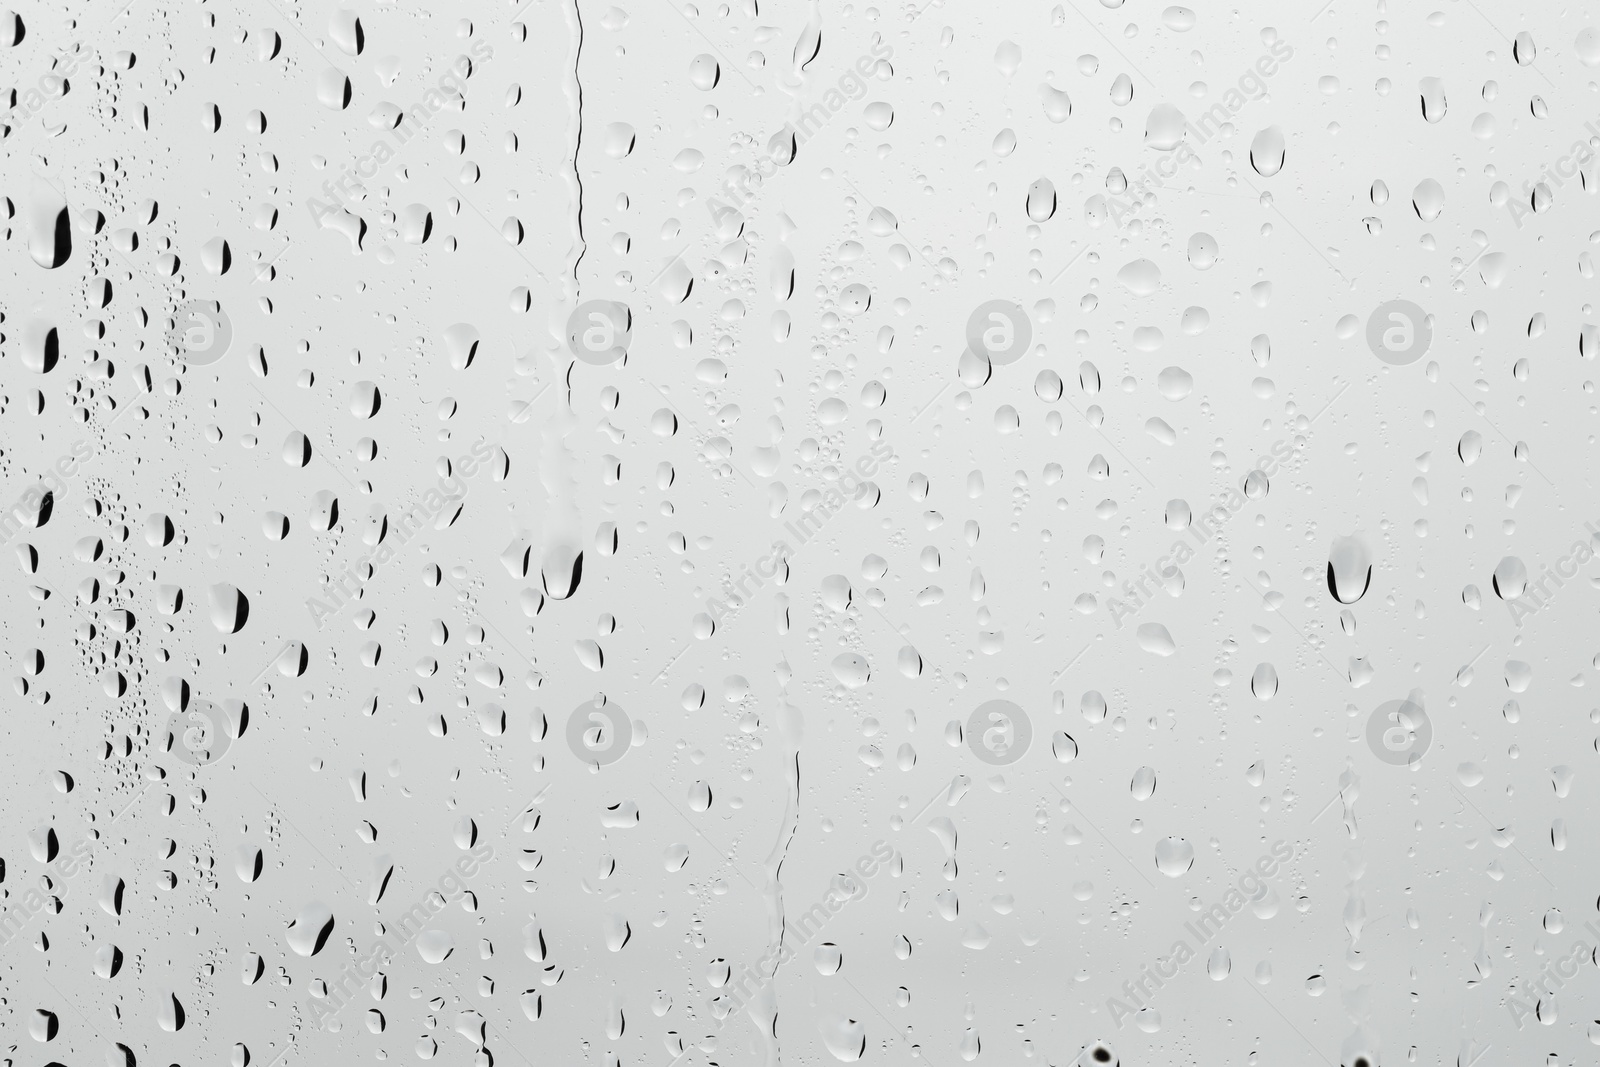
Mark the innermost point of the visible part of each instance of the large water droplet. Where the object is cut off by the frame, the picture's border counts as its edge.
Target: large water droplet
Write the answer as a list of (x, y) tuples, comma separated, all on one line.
[(1174, 856), (1434, 104), (704, 72), (1041, 200), (561, 570), (435, 946), (1163, 130), (845, 1038), (334, 90), (461, 343), (1523, 50), (1057, 104), (1141, 277), (1264, 682), (1427, 200), (1008, 57), (1510, 578), (344, 27), (828, 958), (310, 929), (1349, 569), (1154, 638), (49, 226), (1267, 151), (41, 346), (851, 670), (1587, 46), (230, 608)]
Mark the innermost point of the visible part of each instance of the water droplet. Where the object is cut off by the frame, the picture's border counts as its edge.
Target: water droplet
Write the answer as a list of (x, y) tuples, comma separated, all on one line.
[(1174, 856), (49, 225), (1349, 569), (1523, 50), (1264, 682), (1434, 104), (1008, 57), (704, 72), (1163, 130), (1267, 151), (1427, 200), (1154, 638), (845, 1038), (1041, 204), (1057, 104)]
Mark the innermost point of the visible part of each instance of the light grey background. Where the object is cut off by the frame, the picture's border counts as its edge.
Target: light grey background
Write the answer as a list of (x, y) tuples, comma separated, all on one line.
[(1423, 900)]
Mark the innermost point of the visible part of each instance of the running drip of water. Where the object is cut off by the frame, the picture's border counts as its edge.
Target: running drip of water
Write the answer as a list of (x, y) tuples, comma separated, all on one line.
[(561, 557), (807, 47), (763, 1009)]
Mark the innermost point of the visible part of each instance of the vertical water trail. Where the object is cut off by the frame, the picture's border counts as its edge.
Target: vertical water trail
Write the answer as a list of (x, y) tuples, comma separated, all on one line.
[(763, 1008), (807, 46), (561, 554), (1349, 793)]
